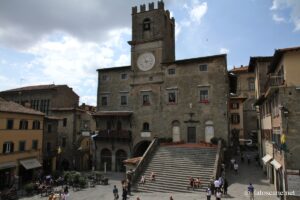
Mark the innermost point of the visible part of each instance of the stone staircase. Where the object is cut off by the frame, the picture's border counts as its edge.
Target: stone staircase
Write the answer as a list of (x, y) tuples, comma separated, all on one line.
[(174, 165)]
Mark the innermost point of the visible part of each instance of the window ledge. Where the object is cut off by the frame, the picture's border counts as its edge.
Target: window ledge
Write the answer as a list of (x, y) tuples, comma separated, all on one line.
[(204, 102)]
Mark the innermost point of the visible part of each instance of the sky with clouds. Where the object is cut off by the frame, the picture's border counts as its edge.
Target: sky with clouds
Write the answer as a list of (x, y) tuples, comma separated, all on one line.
[(64, 42)]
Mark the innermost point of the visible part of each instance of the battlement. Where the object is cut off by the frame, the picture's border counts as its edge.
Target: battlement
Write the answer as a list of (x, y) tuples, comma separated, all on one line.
[(160, 5)]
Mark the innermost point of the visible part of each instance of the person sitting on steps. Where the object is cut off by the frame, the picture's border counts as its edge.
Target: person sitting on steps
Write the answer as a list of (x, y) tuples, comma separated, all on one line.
[(191, 183), (152, 176), (143, 180)]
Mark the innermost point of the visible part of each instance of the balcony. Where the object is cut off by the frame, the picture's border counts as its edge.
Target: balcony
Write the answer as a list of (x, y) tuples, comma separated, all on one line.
[(118, 135), (274, 80), (204, 101)]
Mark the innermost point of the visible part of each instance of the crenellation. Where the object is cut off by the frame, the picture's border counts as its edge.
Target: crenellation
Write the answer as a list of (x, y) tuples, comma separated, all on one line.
[(134, 10), (168, 14), (151, 6), (173, 20), (142, 8), (160, 5)]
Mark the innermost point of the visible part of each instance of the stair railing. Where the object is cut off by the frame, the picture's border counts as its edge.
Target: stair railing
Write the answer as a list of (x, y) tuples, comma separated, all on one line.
[(146, 156), (219, 158)]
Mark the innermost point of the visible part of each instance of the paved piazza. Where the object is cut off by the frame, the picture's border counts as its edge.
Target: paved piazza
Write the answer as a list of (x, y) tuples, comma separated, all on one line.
[(236, 190)]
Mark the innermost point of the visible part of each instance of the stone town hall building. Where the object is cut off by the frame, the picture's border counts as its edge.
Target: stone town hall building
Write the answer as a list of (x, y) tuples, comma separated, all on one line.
[(157, 95)]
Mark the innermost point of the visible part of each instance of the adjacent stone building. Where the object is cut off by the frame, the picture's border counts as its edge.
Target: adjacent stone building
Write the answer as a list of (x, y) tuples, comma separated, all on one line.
[(158, 96), (279, 112), (21, 140), (243, 124), (65, 123)]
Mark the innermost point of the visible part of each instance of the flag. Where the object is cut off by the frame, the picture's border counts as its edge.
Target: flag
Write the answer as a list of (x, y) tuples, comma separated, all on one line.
[(59, 150)]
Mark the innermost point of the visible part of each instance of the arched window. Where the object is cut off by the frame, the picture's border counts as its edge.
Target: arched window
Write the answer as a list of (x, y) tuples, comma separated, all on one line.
[(106, 159), (146, 126), (146, 24), (121, 155)]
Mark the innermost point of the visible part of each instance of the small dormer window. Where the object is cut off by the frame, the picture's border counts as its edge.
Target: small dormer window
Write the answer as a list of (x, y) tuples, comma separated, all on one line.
[(146, 24)]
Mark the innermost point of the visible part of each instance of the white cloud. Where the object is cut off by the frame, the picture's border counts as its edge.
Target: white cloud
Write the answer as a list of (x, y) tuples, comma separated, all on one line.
[(89, 100), (67, 60), (3, 61), (197, 11), (276, 4), (123, 60), (177, 29), (277, 18), (292, 6), (194, 13), (224, 50)]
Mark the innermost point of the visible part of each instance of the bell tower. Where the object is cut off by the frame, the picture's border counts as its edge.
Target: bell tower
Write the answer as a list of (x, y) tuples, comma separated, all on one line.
[(153, 37)]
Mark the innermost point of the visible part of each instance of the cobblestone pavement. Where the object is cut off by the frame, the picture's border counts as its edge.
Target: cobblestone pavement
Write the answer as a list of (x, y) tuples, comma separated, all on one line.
[(236, 190), (251, 173)]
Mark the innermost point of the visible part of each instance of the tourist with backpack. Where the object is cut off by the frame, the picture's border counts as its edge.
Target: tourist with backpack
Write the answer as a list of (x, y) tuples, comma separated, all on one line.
[(251, 191), (116, 192)]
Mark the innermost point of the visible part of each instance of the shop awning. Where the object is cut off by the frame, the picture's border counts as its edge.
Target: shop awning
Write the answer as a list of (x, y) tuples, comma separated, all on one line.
[(30, 163), (266, 158), (8, 165), (276, 164)]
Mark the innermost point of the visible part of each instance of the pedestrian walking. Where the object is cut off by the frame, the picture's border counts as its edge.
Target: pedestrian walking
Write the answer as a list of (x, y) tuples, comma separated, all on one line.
[(128, 187), (124, 194), (218, 195), (217, 184), (232, 161), (242, 157), (225, 186), (251, 191), (248, 159), (208, 193), (212, 187), (115, 193), (171, 198), (236, 167)]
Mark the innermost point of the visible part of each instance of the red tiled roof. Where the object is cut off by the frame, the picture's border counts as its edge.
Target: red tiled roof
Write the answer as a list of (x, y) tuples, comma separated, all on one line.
[(239, 69), (12, 107)]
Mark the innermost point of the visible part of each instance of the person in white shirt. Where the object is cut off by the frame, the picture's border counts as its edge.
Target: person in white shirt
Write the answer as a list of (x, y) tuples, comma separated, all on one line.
[(236, 167), (217, 184), (232, 163)]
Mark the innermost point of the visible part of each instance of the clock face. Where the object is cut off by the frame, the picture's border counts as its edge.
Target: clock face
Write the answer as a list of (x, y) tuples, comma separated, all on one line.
[(146, 61)]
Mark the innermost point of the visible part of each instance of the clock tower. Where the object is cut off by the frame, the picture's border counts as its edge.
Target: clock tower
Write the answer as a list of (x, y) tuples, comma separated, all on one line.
[(153, 38)]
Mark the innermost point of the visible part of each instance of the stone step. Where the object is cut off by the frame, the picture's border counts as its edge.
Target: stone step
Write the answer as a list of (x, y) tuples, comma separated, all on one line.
[(173, 167), (182, 161), (170, 171), (168, 188)]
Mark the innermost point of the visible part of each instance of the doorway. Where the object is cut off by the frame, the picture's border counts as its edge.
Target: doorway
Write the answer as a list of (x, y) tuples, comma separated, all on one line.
[(191, 135)]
